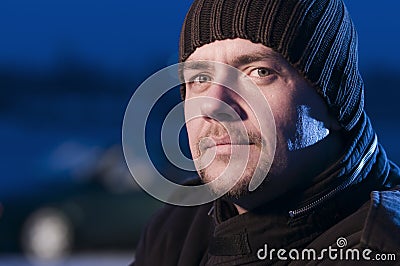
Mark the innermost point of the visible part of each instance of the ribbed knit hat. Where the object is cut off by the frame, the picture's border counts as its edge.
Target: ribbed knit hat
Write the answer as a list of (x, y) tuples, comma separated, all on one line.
[(317, 37)]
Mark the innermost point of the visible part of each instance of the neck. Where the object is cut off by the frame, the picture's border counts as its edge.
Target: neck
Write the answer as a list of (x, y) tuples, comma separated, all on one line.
[(240, 209)]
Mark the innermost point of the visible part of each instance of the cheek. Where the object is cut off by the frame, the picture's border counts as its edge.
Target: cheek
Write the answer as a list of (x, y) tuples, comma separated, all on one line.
[(193, 122), (308, 130), (193, 129)]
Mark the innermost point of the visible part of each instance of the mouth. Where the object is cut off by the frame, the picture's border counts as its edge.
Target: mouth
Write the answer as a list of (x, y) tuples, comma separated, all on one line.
[(221, 143)]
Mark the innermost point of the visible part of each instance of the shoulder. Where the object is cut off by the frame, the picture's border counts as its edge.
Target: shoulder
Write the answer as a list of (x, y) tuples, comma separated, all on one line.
[(382, 226), (172, 221), (171, 232), (375, 225), (175, 234), (175, 220)]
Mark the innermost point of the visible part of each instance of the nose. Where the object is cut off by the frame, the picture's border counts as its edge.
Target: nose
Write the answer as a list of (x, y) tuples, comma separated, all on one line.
[(222, 104)]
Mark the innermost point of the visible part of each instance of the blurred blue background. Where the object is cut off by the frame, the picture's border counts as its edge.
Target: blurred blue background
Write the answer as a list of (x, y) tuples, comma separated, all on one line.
[(67, 72)]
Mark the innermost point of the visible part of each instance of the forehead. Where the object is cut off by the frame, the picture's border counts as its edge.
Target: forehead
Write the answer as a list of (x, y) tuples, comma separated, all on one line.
[(236, 52)]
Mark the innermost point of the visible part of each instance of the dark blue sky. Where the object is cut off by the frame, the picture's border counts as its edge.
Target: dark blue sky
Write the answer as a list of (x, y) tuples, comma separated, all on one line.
[(127, 40), (128, 35)]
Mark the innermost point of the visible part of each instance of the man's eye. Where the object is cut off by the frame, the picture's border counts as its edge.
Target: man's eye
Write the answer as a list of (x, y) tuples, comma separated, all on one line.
[(200, 79), (261, 72)]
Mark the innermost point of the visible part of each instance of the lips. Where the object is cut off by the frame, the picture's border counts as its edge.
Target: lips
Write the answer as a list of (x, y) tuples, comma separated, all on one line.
[(211, 142)]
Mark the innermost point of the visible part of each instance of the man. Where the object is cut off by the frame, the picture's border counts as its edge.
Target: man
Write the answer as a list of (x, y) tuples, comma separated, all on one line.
[(329, 180)]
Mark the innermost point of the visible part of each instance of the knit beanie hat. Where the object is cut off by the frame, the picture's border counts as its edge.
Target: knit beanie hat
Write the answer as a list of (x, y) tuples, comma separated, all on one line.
[(317, 37)]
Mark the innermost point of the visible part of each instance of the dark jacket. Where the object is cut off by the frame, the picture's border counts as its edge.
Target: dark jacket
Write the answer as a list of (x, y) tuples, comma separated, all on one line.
[(356, 205)]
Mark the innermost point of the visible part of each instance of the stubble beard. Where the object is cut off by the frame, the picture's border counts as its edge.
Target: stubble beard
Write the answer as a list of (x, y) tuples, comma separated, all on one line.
[(254, 168)]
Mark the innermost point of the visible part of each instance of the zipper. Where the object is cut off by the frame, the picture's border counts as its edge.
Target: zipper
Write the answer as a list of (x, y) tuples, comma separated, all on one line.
[(341, 187), (211, 211)]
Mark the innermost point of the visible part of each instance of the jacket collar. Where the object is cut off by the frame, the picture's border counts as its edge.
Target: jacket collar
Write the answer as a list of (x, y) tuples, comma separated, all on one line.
[(350, 170)]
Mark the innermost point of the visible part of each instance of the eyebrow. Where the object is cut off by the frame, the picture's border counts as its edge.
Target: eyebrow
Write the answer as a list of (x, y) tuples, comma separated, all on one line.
[(196, 65), (255, 57), (237, 61)]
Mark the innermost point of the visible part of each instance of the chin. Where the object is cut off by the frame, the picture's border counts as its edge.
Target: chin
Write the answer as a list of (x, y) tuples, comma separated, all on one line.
[(224, 182)]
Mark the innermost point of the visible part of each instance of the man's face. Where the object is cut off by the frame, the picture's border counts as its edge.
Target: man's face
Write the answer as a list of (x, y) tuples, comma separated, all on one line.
[(218, 131)]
